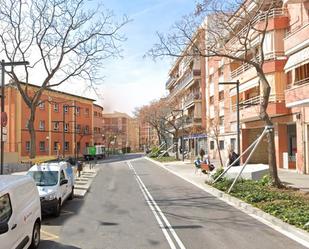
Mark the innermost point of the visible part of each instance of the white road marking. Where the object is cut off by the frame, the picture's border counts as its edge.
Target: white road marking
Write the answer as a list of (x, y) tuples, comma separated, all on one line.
[(49, 236), (156, 210)]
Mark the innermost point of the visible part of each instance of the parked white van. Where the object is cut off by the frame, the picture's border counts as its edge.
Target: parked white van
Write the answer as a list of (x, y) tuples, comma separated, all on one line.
[(20, 213), (55, 185)]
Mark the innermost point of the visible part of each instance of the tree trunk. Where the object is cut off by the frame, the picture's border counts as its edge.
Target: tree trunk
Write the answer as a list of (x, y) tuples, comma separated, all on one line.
[(265, 92), (219, 151), (31, 130)]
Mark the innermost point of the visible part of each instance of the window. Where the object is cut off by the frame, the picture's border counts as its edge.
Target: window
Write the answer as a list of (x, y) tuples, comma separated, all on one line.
[(221, 95), (62, 175), (56, 146), (78, 147), (42, 125), (5, 208), (221, 121), (56, 126), (77, 128), (27, 124), (86, 129), (211, 100), (233, 143), (302, 73), (41, 105), (27, 145), (87, 112), (77, 110), (56, 107), (212, 145), (42, 146), (66, 127), (65, 108), (66, 146), (221, 144)]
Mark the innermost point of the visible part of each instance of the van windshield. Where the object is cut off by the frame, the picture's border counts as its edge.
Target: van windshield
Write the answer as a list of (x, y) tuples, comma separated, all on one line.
[(44, 178)]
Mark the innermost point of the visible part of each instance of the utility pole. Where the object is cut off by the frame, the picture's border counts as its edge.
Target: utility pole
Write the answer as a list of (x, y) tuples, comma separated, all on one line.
[(3, 114)]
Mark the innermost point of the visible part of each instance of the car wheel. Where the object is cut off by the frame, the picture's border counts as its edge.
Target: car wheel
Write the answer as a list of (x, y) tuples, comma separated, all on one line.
[(57, 209), (36, 236), (71, 194)]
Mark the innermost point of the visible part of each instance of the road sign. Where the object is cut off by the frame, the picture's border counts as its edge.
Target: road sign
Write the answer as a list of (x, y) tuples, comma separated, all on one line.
[(4, 119)]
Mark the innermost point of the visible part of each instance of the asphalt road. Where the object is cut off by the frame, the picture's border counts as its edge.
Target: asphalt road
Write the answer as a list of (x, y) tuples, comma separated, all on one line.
[(139, 205)]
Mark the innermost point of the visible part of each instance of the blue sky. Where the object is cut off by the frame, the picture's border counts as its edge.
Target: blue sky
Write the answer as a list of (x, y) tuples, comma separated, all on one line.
[(133, 80)]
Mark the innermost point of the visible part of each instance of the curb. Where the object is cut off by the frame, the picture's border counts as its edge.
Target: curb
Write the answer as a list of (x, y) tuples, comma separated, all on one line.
[(284, 228)]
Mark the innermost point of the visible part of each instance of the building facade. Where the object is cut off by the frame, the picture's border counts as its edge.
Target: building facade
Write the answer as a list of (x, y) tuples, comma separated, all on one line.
[(63, 124), (286, 67), (186, 87), (98, 135)]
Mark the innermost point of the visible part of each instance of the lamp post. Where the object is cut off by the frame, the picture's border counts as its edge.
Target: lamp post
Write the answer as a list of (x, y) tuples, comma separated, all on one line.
[(182, 133), (237, 110), (3, 65)]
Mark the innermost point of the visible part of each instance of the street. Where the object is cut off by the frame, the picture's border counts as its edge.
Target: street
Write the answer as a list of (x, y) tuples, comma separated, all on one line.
[(136, 204)]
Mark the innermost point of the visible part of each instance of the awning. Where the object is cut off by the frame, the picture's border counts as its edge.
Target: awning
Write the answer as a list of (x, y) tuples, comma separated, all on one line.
[(298, 59), (245, 86)]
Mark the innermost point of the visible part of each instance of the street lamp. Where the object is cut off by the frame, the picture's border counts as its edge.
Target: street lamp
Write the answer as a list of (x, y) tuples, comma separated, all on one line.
[(182, 133), (237, 106), (3, 65)]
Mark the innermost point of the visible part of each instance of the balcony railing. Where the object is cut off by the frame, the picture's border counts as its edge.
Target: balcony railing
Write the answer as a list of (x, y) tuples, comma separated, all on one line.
[(256, 101), (191, 97), (261, 17), (273, 55), (184, 82), (301, 82)]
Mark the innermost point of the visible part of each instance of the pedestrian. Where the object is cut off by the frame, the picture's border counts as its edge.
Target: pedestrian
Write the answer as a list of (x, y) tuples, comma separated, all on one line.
[(232, 157)]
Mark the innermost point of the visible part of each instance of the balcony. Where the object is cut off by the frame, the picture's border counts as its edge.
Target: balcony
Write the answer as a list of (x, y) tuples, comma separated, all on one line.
[(274, 13), (250, 108), (247, 68), (185, 81), (191, 99), (296, 95), (296, 36), (192, 121)]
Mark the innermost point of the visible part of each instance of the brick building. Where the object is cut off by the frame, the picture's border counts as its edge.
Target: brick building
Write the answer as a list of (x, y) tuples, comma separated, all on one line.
[(98, 135), (57, 112)]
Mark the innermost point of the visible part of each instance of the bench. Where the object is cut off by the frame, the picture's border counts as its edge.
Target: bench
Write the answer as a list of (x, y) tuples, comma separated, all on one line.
[(204, 167)]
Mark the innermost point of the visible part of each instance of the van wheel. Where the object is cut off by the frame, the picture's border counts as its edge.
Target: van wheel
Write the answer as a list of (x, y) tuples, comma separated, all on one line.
[(36, 236), (57, 209), (71, 194)]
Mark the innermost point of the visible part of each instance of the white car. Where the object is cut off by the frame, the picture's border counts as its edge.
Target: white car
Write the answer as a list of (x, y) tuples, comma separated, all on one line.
[(55, 185), (20, 213)]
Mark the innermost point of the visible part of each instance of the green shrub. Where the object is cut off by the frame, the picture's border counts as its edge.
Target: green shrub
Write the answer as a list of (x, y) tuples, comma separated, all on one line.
[(286, 205)]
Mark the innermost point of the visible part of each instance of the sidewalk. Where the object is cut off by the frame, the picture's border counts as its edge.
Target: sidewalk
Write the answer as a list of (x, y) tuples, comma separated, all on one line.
[(294, 179)]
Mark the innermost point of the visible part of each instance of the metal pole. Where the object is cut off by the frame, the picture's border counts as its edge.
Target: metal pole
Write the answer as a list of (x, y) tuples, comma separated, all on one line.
[(63, 133), (238, 119), (2, 110), (182, 141)]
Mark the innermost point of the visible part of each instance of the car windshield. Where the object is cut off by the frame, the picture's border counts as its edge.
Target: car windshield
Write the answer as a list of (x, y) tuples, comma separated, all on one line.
[(44, 178)]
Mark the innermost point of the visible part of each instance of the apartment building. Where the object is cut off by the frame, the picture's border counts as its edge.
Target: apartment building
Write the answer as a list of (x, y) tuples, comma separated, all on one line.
[(62, 120), (186, 86), (148, 136), (296, 47), (222, 98), (116, 130), (98, 135), (286, 66)]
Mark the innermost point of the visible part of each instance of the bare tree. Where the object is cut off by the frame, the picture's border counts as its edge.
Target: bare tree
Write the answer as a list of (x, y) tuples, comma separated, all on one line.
[(62, 39), (235, 30)]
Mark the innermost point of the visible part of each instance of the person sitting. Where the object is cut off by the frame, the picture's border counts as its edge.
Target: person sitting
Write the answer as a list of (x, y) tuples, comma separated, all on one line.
[(233, 157)]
